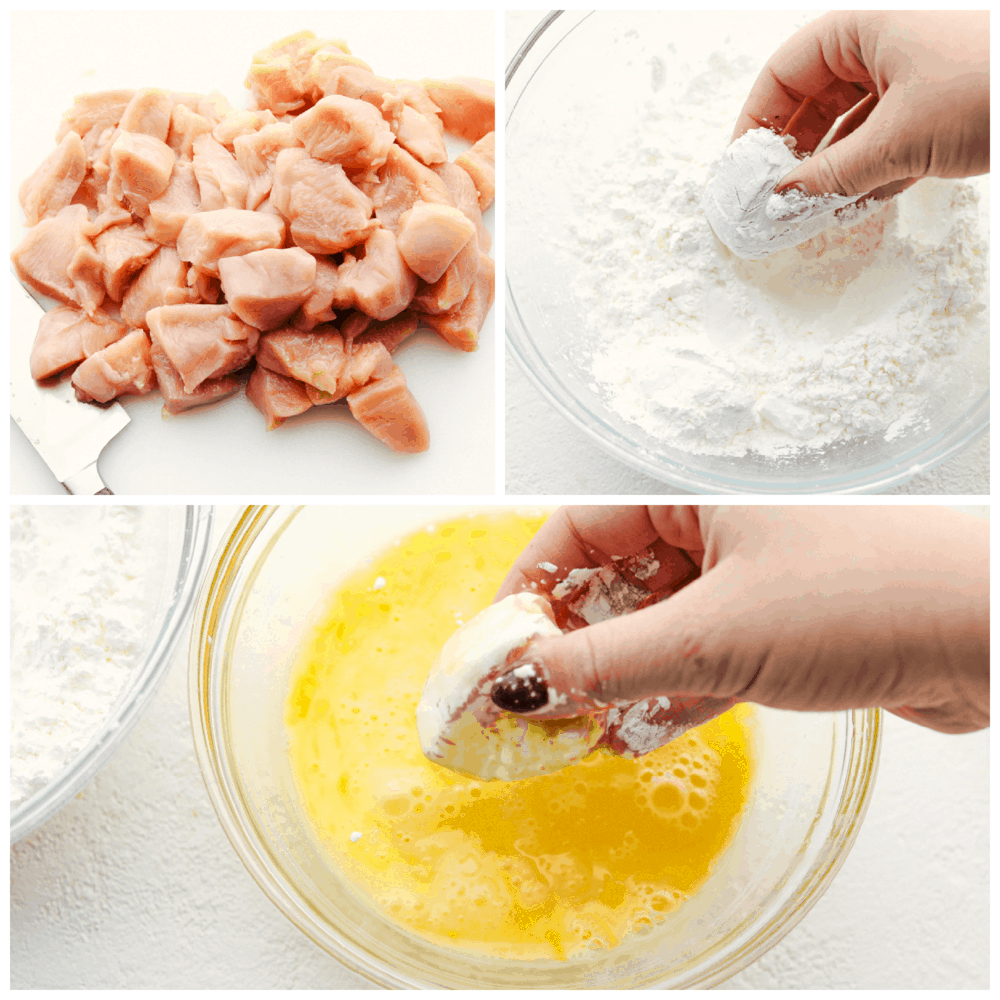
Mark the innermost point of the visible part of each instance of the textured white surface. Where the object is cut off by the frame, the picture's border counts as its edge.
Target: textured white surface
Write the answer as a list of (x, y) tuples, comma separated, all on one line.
[(134, 885)]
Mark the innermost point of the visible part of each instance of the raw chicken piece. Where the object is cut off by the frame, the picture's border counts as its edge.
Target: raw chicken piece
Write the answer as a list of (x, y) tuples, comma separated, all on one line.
[(365, 362), (185, 126), (379, 284), (463, 192), (265, 287), (256, 153), (220, 181), (122, 369), (359, 82), (316, 357), (453, 286), (227, 232), (57, 259), (207, 288), (460, 325), (171, 385), (326, 211), (67, 335), (386, 408), (390, 334), (189, 99), (91, 114), (140, 170), (214, 107), (277, 76), (402, 182), (54, 184), (417, 98), (276, 396), (123, 251), (239, 123), (324, 64), (479, 163), (419, 136), (110, 213), (202, 341), (317, 308), (162, 282), (148, 112), (346, 131), (430, 236), (169, 212), (467, 105), (354, 324)]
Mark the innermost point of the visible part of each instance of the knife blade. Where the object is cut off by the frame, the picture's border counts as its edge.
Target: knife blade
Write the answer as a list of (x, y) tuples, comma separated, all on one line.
[(67, 434)]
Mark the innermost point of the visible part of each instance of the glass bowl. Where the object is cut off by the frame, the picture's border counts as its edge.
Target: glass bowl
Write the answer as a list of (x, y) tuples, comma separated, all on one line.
[(553, 89), (184, 533), (269, 584)]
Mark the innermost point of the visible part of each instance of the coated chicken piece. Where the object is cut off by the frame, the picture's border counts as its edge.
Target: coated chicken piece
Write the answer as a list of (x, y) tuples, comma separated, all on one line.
[(316, 357), (169, 212), (430, 236), (266, 287), (390, 333), (380, 284), (463, 192), (387, 409), (123, 251), (344, 130), (468, 105), (66, 335), (256, 154), (402, 182), (221, 183), (148, 112), (326, 212), (202, 341), (277, 76), (57, 259), (277, 396), (124, 368), (460, 325), (479, 163), (453, 286), (227, 232), (171, 385), (54, 184), (162, 282), (185, 126), (140, 170), (92, 114)]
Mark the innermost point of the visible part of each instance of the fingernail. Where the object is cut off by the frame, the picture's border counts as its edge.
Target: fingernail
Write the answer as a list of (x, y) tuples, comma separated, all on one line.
[(522, 690), (797, 186)]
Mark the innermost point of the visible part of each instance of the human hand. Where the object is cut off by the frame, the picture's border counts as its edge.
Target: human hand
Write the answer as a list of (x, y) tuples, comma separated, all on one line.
[(806, 608), (915, 84)]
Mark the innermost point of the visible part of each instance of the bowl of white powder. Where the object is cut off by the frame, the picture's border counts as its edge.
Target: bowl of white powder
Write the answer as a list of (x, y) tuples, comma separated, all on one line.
[(846, 364), (99, 597)]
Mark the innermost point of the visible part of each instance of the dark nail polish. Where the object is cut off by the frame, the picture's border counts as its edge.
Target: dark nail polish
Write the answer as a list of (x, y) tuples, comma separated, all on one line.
[(524, 693)]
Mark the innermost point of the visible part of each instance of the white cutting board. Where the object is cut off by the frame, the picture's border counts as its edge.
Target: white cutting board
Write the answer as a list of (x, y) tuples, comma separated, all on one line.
[(223, 449)]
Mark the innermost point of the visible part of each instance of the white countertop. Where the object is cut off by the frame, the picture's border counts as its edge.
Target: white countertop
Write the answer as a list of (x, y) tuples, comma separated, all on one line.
[(134, 885)]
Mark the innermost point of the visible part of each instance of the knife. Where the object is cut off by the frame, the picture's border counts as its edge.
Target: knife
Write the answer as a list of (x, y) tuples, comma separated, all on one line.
[(69, 435)]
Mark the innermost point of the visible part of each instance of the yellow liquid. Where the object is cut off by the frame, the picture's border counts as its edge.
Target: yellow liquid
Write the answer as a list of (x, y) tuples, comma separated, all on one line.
[(549, 867)]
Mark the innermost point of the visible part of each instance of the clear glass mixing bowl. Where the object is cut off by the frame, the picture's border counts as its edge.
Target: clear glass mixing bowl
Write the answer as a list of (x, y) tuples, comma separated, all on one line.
[(588, 72), (269, 585), (183, 534)]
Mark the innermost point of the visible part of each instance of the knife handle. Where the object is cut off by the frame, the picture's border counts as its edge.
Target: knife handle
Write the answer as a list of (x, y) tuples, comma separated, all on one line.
[(87, 481)]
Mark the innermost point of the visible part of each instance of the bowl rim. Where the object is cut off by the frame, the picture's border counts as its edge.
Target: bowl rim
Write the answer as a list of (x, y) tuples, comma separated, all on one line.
[(952, 439), (134, 698), (254, 533)]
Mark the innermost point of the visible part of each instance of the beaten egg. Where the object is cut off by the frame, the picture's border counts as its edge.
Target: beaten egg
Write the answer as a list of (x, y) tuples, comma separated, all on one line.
[(549, 867)]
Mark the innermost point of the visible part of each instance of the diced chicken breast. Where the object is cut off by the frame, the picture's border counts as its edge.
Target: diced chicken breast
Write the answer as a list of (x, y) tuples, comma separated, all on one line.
[(479, 163), (326, 212), (185, 126), (227, 232), (346, 131), (238, 123), (214, 106), (430, 236), (265, 287), (380, 283), (417, 98), (391, 333), (316, 357), (66, 335), (57, 259), (466, 197), (387, 409), (467, 105), (221, 183), (403, 181), (54, 184), (162, 282), (277, 396), (324, 64), (93, 113), (365, 362), (110, 213), (148, 112), (256, 153), (354, 324), (460, 325), (123, 251), (202, 341), (419, 136), (187, 98), (453, 286), (140, 170), (317, 308), (122, 369), (276, 79), (169, 212), (171, 385), (359, 82)]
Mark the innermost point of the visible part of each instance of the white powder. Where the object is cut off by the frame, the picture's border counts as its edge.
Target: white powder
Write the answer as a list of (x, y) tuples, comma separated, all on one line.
[(858, 332), (80, 612)]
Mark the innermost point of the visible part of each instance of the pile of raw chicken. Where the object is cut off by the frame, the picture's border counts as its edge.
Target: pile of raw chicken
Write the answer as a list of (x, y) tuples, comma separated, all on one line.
[(307, 236)]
